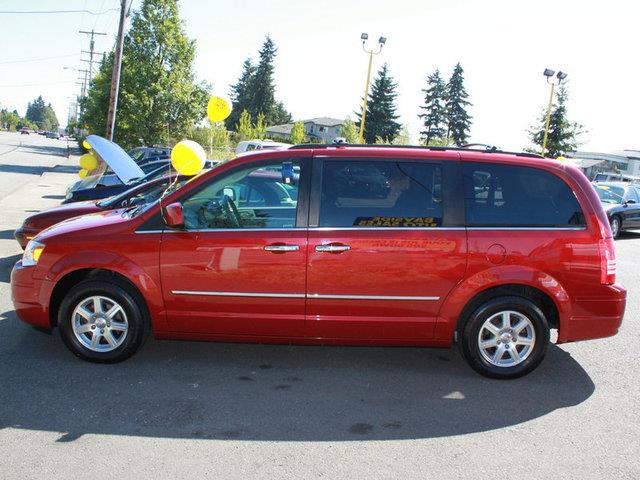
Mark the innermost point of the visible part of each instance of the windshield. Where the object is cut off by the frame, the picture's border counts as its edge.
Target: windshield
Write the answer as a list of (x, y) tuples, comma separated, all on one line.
[(142, 196), (609, 194)]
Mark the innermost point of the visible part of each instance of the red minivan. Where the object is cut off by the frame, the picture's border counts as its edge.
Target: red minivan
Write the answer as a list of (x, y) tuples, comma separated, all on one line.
[(358, 245)]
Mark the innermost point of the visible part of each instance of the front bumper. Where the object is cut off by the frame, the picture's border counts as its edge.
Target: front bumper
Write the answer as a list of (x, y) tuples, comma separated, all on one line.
[(595, 316), (26, 294)]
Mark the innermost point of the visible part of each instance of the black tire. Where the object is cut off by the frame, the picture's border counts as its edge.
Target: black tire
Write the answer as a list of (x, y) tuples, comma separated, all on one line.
[(615, 231), (131, 302), (471, 331)]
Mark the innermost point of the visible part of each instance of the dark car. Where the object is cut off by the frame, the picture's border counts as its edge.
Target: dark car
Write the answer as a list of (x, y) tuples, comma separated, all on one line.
[(142, 155), (621, 202), (104, 191), (24, 131)]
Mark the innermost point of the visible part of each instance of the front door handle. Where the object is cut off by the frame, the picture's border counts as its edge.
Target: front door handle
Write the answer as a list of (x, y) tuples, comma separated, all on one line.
[(282, 248), (332, 248)]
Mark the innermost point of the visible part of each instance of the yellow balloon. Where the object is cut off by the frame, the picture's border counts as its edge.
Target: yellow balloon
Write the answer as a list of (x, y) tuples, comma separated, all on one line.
[(88, 162), (561, 159), (218, 109), (86, 145), (83, 173), (188, 157)]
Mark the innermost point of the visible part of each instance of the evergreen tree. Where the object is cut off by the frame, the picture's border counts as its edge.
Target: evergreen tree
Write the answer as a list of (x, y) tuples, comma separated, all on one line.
[(563, 135), (433, 118), (262, 85), (255, 90), (159, 99), (42, 114), (456, 103), (381, 109), (241, 94)]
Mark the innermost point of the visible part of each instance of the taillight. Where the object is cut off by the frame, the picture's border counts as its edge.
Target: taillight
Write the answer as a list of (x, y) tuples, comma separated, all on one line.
[(607, 261)]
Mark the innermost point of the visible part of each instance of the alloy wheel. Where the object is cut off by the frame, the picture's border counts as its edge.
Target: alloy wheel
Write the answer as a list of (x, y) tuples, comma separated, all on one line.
[(100, 323), (506, 338)]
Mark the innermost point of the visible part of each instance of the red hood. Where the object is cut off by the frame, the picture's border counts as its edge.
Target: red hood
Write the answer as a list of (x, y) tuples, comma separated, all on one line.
[(46, 218), (86, 222)]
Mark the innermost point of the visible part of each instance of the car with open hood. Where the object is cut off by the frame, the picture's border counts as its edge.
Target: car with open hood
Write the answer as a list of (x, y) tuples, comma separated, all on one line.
[(110, 157)]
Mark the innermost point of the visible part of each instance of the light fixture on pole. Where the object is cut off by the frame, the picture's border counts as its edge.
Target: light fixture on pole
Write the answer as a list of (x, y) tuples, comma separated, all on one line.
[(381, 41), (560, 76)]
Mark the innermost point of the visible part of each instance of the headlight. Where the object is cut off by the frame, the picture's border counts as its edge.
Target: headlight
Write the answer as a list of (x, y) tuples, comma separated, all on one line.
[(32, 253), (68, 195)]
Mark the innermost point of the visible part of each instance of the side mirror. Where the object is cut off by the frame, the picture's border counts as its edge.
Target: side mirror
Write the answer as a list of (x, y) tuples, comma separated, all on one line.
[(172, 215)]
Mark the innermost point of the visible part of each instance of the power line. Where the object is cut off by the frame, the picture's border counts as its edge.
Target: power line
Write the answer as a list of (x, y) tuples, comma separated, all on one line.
[(37, 59), (34, 84), (46, 12)]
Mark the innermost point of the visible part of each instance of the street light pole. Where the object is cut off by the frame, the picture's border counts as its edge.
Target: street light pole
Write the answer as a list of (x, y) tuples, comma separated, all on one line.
[(381, 42), (560, 76)]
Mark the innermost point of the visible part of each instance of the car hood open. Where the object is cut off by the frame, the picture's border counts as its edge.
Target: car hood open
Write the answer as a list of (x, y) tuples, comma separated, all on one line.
[(117, 159)]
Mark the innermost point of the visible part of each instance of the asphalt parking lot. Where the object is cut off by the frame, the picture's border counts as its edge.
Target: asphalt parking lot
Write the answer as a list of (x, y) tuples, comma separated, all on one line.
[(180, 409)]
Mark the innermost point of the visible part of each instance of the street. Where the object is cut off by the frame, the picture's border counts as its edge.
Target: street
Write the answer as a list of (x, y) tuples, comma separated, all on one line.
[(189, 409)]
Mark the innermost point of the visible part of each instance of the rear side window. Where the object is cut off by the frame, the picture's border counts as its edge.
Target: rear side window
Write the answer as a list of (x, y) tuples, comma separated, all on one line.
[(517, 196), (358, 193)]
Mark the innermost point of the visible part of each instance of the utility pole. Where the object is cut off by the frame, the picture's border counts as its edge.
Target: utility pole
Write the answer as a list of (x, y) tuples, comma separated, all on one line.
[(91, 50), (84, 82), (115, 77)]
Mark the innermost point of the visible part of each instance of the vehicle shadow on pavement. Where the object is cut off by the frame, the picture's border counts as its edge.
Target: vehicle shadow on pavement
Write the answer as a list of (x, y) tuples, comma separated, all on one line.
[(6, 234), (37, 170), (60, 151), (6, 265), (276, 393), (629, 235)]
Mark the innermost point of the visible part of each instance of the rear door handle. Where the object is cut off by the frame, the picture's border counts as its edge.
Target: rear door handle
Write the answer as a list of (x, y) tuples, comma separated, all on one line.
[(282, 248), (332, 248)]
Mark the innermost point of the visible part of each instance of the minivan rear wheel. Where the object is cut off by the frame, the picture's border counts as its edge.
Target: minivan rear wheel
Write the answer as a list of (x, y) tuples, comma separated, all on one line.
[(101, 321), (506, 337)]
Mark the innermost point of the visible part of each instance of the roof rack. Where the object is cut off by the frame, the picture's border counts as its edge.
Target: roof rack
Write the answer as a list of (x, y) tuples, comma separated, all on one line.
[(304, 146)]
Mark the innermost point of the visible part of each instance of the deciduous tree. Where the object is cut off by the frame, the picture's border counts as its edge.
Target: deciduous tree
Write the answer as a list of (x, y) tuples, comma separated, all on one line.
[(160, 100), (297, 133)]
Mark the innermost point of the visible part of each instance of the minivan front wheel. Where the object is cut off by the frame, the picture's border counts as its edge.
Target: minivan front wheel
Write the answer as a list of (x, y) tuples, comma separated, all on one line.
[(101, 321), (506, 337)]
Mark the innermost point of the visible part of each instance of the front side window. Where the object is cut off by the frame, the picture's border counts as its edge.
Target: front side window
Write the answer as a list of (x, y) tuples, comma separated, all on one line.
[(254, 197), (517, 196), (365, 193)]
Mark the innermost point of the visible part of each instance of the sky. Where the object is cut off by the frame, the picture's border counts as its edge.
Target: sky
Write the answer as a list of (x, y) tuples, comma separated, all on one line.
[(503, 46)]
